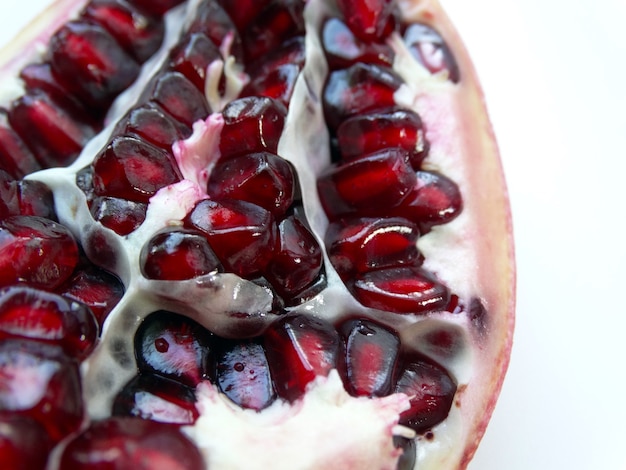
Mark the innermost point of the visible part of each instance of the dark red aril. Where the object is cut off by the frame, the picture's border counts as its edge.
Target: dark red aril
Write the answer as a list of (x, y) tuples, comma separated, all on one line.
[(131, 443), (42, 316), (149, 396), (278, 83), (371, 132), (401, 290), (25, 197), (174, 347), (153, 125), (251, 124), (261, 178), (36, 251), (155, 7), (242, 235), (211, 19), (120, 215), (243, 12), (429, 48), (15, 156), (290, 52), (177, 254), (367, 19), (243, 375), (192, 57), (299, 349), (431, 393), (24, 444), (129, 168)]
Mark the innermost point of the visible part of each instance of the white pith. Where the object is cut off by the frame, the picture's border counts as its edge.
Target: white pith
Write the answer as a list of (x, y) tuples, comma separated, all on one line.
[(456, 127)]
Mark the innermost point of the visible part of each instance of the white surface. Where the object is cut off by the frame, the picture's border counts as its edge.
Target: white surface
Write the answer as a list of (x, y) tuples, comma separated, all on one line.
[(552, 71)]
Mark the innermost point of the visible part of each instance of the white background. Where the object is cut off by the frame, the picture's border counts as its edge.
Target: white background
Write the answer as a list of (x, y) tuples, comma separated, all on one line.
[(553, 73)]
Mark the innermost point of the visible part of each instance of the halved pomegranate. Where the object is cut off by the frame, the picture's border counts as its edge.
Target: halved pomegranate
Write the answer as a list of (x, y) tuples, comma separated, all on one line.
[(248, 235)]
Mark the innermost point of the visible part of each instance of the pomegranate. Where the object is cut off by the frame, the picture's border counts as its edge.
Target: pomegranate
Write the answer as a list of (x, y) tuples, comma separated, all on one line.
[(265, 234)]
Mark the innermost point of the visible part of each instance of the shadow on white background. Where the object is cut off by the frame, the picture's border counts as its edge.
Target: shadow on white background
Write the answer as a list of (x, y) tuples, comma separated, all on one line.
[(553, 72)]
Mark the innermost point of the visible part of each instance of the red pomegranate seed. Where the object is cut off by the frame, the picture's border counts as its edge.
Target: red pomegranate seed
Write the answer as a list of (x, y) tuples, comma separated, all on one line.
[(15, 157), (401, 290), (243, 375), (90, 63), (429, 48), (153, 125), (252, 124), (155, 7), (211, 19), (193, 56), (123, 443), (359, 245), (36, 251), (274, 24), (297, 261), (243, 12), (299, 349), (120, 215), (291, 51), (139, 34), (180, 98), (25, 197), (344, 49), (371, 354), (358, 89), (174, 347), (435, 200), (23, 443), (242, 235), (129, 168), (96, 288), (372, 185), (278, 84), (177, 254), (431, 392), (53, 131), (367, 18), (155, 398), (42, 316), (38, 381), (368, 133), (261, 178)]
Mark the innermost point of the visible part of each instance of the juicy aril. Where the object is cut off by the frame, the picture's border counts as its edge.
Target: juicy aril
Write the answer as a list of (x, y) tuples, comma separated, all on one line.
[(255, 234)]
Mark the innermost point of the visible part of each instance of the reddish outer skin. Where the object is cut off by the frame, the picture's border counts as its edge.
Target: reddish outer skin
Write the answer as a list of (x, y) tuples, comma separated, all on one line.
[(493, 209)]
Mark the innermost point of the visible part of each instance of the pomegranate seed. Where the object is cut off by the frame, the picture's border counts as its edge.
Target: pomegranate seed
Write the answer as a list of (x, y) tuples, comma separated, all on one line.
[(274, 24), (401, 290), (344, 49), (372, 185), (242, 235), (278, 84), (120, 215), (129, 168), (177, 254), (261, 178), (435, 200), (173, 346), (371, 356), (38, 315), (15, 157), (23, 443), (96, 288), (25, 197), (299, 349), (90, 63), (358, 89), (367, 18), (37, 251), (252, 124), (364, 244), (180, 98), (298, 260), (139, 34), (243, 375), (211, 19), (368, 133), (123, 443), (429, 48), (54, 132), (155, 7), (431, 392), (38, 381), (291, 51), (157, 399), (152, 124), (193, 56), (243, 12)]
